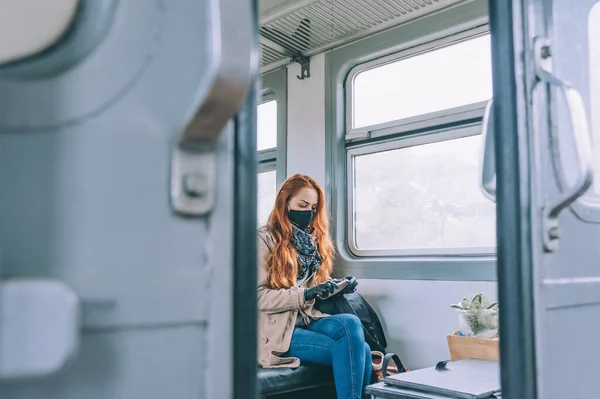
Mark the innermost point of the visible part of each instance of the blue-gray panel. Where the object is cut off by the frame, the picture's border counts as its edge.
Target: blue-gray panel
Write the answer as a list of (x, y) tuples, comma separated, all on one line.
[(92, 209), (88, 202), (84, 198), (153, 363), (151, 55), (569, 338), (568, 300)]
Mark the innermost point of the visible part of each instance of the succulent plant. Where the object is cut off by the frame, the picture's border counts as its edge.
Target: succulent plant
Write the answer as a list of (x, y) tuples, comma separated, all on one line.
[(479, 313), (478, 302)]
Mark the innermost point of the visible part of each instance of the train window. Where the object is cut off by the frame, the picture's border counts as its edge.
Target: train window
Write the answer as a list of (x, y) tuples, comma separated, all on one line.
[(413, 146), (594, 50), (271, 140), (405, 146), (267, 157), (267, 185), (421, 197), (267, 125), (435, 80)]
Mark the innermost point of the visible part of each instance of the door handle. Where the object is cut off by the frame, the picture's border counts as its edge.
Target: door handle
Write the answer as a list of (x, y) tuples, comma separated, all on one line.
[(233, 66), (488, 157), (582, 139)]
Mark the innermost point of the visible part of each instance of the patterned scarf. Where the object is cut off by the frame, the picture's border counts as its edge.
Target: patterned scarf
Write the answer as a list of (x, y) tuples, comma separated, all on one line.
[(309, 259)]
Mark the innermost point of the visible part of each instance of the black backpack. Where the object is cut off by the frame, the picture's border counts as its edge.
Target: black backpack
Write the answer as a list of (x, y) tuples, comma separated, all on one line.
[(355, 304)]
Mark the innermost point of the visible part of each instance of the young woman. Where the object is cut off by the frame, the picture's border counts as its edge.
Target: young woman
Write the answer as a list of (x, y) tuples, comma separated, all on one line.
[(295, 259)]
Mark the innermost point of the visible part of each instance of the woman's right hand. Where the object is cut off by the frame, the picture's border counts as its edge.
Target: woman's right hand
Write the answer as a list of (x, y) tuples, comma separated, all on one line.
[(323, 291)]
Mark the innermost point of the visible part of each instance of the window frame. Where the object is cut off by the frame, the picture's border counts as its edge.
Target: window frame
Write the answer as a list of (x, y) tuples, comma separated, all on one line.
[(274, 88), (457, 23), (428, 137), (402, 55), (267, 158)]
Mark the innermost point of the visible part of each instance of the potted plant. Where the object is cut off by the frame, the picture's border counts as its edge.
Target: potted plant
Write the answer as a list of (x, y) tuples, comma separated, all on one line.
[(477, 317)]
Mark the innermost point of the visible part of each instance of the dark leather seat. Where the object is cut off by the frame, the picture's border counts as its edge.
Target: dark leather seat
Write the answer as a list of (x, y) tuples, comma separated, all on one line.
[(282, 380)]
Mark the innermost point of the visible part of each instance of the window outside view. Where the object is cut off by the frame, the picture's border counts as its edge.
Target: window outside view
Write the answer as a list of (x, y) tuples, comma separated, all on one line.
[(267, 190), (267, 126), (452, 76), (266, 139), (427, 196), (423, 197)]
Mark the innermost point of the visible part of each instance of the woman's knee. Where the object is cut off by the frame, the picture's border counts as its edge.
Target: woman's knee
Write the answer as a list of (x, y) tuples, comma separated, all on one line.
[(352, 324)]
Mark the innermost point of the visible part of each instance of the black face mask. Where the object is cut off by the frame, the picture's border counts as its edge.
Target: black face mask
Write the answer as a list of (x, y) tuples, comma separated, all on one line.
[(300, 218)]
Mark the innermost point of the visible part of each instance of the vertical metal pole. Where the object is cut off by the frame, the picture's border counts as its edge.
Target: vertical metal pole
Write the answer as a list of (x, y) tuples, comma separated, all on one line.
[(245, 252), (508, 21)]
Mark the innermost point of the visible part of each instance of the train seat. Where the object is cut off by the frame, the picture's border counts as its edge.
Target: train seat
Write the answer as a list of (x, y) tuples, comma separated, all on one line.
[(283, 380)]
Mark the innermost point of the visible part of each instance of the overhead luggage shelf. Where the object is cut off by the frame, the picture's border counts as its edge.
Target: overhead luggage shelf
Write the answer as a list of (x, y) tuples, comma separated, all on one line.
[(301, 28)]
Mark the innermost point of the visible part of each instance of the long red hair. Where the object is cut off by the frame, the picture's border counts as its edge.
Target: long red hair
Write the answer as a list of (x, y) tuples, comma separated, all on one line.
[(282, 262)]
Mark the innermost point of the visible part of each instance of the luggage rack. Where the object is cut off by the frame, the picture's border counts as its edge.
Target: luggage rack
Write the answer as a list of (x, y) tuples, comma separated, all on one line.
[(295, 30)]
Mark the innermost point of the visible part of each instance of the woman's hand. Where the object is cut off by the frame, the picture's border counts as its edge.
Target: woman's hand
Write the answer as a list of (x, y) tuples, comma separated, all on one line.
[(351, 287), (323, 291)]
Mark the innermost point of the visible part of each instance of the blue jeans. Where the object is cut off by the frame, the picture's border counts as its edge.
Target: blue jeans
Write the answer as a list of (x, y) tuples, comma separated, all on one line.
[(338, 341)]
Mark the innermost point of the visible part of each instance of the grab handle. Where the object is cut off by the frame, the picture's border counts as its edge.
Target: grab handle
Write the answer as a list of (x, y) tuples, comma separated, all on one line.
[(581, 136), (488, 157), (233, 66)]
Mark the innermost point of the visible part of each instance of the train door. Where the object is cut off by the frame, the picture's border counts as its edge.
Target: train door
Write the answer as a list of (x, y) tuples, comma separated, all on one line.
[(127, 199), (546, 62)]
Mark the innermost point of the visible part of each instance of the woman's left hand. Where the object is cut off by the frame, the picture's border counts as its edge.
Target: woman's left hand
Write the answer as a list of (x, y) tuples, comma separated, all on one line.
[(351, 287)]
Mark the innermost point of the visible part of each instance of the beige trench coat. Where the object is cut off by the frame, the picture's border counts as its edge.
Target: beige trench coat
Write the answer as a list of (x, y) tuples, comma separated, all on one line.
[(277, 311)]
